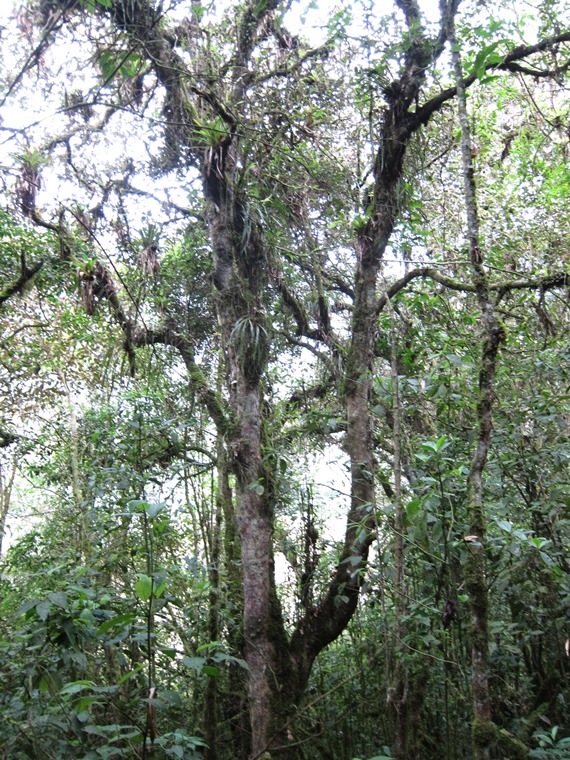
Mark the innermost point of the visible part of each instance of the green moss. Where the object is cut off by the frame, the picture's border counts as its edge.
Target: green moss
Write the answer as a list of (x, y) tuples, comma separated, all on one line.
[(511, 747), (484, 732)]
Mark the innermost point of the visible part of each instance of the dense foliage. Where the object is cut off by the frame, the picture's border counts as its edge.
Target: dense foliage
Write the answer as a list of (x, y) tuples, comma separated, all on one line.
[(285, 373)]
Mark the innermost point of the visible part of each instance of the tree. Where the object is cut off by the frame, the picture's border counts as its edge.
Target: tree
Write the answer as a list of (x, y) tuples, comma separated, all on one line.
[(298, 223)]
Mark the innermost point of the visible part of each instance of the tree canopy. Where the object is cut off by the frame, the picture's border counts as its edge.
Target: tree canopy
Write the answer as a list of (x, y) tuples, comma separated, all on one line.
[(284, 362)]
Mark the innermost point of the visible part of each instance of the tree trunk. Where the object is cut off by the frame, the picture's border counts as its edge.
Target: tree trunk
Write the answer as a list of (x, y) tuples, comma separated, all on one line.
[(484, 730), (239, 276), (6, 486)]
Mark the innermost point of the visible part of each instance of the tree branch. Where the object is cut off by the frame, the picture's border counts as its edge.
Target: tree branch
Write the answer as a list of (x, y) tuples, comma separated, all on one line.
[(169, 337), (422, 115), (7, 438), (539, 73), (549, 282), (410, 9), (285, 71), (26, 275), (78, 128)]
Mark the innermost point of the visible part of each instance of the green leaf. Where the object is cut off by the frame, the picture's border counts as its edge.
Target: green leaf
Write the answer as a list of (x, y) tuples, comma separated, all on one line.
[(441, 443), (153, 510), (138, 505), (412, 508), (107, 64), (131, 65), (159, 590), (91, 4), (169, 697), (546, 558), (486, 57), (137, 669), (59, 598), (44, 685), (120, 621), (143, 587), (257, 487), (223, 657), (209, 646), (42, 609), (27, 608), (194, 663), (198, 11), (82, 704), (74, 687), (436, 446)]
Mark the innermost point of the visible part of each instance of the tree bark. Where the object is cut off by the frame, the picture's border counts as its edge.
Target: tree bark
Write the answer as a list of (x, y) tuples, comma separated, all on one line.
[(484, 730)]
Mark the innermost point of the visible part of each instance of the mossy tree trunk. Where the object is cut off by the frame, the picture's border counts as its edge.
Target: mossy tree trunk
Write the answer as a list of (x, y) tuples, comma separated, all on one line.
[(484, 730)]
